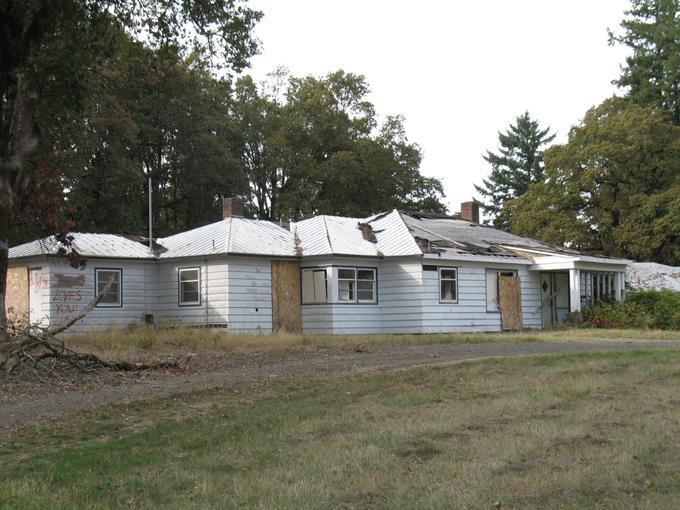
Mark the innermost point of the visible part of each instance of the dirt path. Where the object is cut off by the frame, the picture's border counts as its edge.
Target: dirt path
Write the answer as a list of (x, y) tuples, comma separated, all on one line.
[(18, 411)]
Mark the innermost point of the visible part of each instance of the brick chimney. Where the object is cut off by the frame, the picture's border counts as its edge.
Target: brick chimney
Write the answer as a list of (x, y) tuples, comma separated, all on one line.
[(469, 211), (231, 206)]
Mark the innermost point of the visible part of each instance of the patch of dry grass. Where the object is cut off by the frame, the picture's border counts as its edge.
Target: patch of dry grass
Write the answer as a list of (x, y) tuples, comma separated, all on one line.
[(141, 340), (565, 431)]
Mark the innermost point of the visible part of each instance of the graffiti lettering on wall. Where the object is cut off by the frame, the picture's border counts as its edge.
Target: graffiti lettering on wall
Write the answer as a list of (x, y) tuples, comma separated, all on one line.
[(37, 281), (65, 296)]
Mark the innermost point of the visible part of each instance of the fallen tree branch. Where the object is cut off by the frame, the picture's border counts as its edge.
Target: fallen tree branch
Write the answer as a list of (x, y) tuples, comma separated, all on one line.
[(37, 348)]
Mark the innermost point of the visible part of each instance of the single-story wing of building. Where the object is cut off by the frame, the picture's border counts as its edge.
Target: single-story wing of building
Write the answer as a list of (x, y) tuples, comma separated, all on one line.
[(391, 272)]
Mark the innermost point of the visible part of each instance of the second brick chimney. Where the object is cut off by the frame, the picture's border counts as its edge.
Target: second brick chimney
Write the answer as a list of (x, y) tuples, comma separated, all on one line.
[(231, 206), (469, 211)]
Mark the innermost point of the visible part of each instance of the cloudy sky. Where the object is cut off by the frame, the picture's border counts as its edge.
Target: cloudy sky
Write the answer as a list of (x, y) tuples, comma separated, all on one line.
[(458, 71)]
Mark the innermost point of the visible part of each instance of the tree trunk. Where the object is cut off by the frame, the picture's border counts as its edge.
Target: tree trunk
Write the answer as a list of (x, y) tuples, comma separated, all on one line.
[(22, 141), (4, 252)]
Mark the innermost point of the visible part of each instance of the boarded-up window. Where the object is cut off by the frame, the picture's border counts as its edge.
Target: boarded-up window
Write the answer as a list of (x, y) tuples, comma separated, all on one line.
[(314, 286), (113, 296)]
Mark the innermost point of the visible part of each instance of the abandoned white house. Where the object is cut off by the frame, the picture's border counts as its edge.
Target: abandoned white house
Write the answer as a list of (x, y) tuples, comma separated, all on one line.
[(392, 272)]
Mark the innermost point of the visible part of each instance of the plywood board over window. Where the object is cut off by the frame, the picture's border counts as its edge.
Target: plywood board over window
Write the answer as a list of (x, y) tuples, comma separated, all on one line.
[(16, 299), (286, 296), (510, 301)]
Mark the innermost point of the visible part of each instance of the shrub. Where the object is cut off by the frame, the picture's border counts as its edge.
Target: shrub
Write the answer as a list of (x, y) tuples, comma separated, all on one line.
[(642, 309)]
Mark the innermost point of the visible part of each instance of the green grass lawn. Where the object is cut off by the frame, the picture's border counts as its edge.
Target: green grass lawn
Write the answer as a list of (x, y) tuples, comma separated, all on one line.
[(560, 431)]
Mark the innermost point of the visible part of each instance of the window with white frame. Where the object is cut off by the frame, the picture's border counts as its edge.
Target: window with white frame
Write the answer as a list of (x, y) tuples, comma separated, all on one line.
[(448, 284), (492, 276), (114, 295), (314, 286), (356, 285), (189, 280), (347, 281)]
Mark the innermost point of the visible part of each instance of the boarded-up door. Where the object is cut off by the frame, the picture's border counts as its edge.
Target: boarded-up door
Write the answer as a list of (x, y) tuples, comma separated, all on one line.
[(16, 297), (286, 297), (510, 301)]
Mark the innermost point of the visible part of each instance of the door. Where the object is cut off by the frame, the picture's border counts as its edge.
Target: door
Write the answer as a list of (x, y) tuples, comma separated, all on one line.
[(510, 302), (286, 296), (554, 298), (37, 282)]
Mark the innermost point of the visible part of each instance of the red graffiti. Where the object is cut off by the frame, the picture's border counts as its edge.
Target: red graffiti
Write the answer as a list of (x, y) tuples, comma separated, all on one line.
[(65, 308), (37, 281), (65, 295)]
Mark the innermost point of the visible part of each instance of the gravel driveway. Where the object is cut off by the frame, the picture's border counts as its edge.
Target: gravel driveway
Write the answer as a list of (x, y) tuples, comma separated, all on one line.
[(24, 409)]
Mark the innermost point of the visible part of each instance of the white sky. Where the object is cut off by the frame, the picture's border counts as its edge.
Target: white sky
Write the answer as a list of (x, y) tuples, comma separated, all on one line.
[(458, 71)]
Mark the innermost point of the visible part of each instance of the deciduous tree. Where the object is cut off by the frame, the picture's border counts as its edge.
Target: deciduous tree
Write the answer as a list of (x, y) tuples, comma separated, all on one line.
[(613, 188)]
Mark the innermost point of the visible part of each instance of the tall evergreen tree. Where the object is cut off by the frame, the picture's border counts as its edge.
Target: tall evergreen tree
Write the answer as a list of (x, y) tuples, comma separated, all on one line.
[(517, 164), (651, 73)]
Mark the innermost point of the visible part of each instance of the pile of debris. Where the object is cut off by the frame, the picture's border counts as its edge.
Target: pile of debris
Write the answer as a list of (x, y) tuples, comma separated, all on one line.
[(653, 276)]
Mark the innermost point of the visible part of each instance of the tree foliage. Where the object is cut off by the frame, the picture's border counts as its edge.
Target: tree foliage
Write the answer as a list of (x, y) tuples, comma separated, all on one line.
[(52, 52), (614, 187), (651, 74), (313, 146), (517, 164)]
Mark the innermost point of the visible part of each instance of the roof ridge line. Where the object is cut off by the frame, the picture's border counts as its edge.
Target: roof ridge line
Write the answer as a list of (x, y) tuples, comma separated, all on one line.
[(328, 235)]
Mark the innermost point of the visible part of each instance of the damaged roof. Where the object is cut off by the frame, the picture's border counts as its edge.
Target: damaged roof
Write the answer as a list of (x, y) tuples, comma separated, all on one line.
[(238, 236), (234, 235), (450, 235), (389, 234), (382, 235), (88, 245)]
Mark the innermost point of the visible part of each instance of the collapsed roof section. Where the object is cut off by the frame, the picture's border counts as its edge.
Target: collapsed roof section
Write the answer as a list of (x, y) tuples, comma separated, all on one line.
[(449, 235)]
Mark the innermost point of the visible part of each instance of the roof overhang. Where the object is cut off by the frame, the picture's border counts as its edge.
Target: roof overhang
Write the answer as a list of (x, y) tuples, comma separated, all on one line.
[(584, 262), (462, 257)]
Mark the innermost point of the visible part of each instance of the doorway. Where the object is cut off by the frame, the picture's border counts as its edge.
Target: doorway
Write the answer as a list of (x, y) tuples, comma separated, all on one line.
[(554, 298)]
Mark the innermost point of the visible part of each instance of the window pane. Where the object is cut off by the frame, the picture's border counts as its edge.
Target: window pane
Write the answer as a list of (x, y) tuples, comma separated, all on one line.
[(346, 273), (366, 291), (366, 274), (188, 274), (320, 292), (346, 290), (190, 296), (448, 290), (492, 291), (307, 286), (314, 286), (364, 285), (448, 274), (112, 296)]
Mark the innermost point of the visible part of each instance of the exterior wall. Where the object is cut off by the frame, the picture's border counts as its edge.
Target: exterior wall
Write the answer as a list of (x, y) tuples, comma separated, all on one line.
[(402, 294), (72, 289), (164, 293), (344, 318), (250, 294), (408, 300), (470, 313)]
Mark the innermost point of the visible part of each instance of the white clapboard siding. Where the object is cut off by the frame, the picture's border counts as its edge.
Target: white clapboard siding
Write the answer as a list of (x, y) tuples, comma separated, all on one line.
[(68, 299), (213, 309), (401, 295), (250, 294)]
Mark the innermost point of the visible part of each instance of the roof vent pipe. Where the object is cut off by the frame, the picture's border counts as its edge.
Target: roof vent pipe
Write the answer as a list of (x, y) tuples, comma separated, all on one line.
[(231, 207)]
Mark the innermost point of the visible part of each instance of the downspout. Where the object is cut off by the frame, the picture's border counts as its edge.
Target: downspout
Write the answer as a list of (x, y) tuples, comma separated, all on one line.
[(207, 292)]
